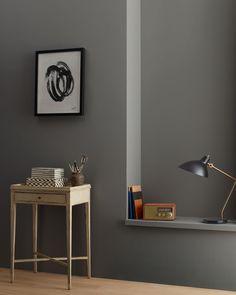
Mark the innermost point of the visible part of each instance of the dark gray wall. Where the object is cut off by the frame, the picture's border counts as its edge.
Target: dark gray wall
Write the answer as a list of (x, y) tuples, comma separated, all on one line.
[(165, 256), (188, 110), (188, 105), (27, 141)]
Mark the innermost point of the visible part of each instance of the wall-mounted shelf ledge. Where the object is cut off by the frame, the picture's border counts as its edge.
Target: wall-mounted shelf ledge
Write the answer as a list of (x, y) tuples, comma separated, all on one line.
[(182, 223)]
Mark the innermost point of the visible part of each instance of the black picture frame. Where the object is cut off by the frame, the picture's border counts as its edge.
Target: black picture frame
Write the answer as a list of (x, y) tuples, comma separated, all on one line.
[(59, 82)]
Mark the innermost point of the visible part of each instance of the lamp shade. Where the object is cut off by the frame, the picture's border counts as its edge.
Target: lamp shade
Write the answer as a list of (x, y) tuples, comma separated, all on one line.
[(198, 167)]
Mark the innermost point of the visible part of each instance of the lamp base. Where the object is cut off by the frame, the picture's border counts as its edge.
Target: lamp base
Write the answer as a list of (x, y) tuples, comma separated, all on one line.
[(213, 220)]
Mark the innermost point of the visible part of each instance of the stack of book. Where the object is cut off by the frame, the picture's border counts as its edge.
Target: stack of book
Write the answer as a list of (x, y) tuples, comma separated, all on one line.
[(135, 202), (46, 177)]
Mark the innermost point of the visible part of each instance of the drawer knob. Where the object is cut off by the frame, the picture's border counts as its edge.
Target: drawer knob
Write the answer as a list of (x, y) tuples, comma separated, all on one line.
[(39, 197)]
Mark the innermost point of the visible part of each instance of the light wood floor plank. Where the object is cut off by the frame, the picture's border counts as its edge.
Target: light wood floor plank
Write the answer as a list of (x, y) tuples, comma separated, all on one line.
[(28, 283)]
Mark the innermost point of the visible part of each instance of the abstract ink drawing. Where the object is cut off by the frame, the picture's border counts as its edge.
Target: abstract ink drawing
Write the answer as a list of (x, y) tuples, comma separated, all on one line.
[(60, 82)]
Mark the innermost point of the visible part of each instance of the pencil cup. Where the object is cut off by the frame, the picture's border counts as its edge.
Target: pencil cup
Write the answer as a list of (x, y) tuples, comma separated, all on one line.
[(77, 179)]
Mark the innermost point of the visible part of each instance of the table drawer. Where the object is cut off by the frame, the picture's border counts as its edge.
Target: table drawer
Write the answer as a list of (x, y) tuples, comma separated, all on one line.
[(40, 198)]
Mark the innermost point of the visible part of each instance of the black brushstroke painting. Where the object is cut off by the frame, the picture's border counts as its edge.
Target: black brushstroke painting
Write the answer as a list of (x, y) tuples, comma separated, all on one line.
[(60, 82)]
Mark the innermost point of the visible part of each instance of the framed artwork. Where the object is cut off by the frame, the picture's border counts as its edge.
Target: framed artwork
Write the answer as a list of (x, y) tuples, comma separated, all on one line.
[(59, 82)]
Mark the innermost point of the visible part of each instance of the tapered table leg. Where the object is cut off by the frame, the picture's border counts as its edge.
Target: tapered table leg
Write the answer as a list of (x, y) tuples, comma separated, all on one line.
[(88, 238), (13, 236), (35, 235), (69, 242)]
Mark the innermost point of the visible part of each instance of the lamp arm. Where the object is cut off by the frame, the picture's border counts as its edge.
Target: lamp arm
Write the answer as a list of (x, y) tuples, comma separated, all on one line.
[(227, 200), (210, 165)]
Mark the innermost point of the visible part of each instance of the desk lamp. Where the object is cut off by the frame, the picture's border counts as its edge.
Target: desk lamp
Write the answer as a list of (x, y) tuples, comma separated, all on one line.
[(200, 167)]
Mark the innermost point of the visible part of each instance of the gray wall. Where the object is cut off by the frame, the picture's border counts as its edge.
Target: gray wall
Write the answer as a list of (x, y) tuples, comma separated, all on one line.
[(188, 110), (27, 141), (194, 258), (133, 96)]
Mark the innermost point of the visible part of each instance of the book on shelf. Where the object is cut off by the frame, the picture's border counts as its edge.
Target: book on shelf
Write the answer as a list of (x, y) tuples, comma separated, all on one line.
[(135, 202), (130, 209)]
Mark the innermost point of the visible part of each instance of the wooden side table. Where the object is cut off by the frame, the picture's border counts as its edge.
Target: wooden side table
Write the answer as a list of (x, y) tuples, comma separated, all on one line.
[(65, 196)]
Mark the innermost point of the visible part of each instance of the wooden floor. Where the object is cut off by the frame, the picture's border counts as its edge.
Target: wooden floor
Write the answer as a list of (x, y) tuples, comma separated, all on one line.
[(29, 283)]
